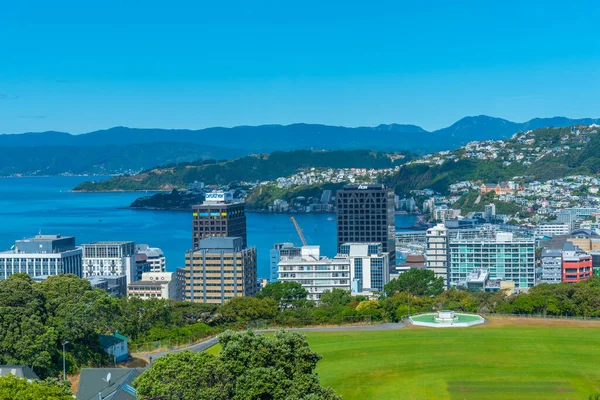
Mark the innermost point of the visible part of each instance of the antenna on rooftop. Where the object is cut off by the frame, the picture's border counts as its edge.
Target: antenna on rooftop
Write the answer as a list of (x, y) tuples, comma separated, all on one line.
[(107, 379)]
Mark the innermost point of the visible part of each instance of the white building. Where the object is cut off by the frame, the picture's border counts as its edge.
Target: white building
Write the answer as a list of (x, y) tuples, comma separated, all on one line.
[(154, 257), (42, 256), (314, 272), (110, 258), (436, 251), (154, 285), (369, 266), (552, 229)]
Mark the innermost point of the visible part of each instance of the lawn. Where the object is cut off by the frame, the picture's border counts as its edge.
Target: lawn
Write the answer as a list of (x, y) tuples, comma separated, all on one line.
[(493, 361)]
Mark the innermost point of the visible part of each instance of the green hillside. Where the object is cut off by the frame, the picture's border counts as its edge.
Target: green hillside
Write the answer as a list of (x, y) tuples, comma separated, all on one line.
[(468, 203), (249, 168), (541, 154)]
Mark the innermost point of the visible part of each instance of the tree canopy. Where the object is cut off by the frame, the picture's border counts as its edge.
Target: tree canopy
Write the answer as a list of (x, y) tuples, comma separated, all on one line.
[(418, 281), (249, 367), (12, 387), (286, 294)]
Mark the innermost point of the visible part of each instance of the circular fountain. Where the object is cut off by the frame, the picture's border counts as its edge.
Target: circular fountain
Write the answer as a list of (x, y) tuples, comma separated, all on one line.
[(446, 319)]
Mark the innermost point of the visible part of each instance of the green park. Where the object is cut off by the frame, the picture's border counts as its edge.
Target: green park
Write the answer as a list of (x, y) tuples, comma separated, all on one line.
[(521, 360)]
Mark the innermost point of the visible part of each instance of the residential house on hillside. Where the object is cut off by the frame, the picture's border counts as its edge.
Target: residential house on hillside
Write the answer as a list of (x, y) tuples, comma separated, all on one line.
[(115, 345), (21, 371), (108, 383)]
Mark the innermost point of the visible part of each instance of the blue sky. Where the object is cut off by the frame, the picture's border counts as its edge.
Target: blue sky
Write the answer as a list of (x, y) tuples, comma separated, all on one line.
[(78, 66)]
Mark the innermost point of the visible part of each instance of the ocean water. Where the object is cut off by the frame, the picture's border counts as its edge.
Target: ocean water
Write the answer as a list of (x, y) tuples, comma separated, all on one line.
[(29, 206)]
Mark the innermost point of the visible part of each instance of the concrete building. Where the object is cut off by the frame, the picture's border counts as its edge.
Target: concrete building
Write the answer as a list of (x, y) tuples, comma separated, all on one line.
[(585, 239), (314, 272), (222, 269), (505, 257), (436, 251), (572, 215), (365, 214), (110, 258), (490, 211), (154, 285), (115, 285), (42, 255), (551, 269), (154, 257), (218, 216), (369, 266), (285, 249), (576, 264), (552, 229)]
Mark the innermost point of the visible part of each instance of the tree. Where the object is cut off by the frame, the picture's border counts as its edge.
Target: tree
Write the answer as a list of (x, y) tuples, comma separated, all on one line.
[(419, 281), (335, 298), (24, 336), (286, 294), (12, 387), (248, 309), (249, 366)]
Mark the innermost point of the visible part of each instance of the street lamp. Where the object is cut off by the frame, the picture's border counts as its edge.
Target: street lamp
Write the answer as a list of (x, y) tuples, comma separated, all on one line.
[(64, 343), (115, 347)]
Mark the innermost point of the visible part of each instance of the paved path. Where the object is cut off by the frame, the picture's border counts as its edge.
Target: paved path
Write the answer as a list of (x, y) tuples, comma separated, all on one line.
[(343, 328)]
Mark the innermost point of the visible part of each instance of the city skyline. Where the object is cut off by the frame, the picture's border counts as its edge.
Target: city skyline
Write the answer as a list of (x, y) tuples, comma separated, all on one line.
[(193, 65)]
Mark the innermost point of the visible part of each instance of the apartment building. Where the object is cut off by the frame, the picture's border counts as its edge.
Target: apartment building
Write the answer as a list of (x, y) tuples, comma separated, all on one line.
[(154, 285), (110, 258), (436, 251), (576, 264), (505, 257)]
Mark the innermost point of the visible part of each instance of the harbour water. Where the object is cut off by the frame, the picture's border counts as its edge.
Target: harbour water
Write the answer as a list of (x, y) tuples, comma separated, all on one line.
[(29, 206)]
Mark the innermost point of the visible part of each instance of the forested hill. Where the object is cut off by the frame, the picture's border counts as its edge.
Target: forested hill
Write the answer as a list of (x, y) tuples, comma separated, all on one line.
[(249, 168), (541, 154), (123, 150)]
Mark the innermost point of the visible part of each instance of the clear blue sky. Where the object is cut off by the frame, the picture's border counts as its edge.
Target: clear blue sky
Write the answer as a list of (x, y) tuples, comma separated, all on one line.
[(78, 66)]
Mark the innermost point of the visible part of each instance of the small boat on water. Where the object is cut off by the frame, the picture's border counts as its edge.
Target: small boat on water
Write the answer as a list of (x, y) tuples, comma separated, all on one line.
[(329, 218)]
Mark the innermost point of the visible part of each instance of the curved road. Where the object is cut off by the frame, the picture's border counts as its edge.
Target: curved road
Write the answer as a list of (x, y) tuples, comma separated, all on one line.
[(344, 328)]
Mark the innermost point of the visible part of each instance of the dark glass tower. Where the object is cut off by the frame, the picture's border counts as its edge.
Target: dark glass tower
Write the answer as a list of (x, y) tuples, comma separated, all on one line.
[(218, 216), (365, 214)]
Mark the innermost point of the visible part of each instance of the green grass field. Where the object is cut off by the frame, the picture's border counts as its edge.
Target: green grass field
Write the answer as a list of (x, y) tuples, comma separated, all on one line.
[(484, 362)]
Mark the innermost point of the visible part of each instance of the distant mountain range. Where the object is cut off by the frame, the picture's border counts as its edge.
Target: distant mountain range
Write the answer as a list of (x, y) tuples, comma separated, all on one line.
[(123, 149)]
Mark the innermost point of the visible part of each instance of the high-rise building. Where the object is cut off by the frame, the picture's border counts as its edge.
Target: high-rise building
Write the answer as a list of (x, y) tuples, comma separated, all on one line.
[(365, 214), (314, 272), (505, 257), (436, 251), (218, 216), (285, 249), (369, 266), (110, 258), (42, 256), (490, 211), (223, 268)]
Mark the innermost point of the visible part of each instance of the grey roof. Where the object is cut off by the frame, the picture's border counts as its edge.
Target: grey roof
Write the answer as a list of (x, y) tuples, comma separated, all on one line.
[(93, 381), (552, 252), (22, 371), (586, 233)]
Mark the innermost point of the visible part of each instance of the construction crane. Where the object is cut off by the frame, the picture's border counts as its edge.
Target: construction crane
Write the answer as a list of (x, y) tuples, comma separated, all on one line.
[(299, 230)]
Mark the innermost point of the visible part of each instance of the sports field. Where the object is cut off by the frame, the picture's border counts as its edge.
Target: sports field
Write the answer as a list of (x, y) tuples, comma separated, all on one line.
[(505, 359)]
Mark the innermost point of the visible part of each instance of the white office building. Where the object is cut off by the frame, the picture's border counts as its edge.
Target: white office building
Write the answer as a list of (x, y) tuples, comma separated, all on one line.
[(154, 257), (553, 229), (314, 272), (436, 251), (154, 285), (369, 266), (110, 258), (42, 256), (551, 269)]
